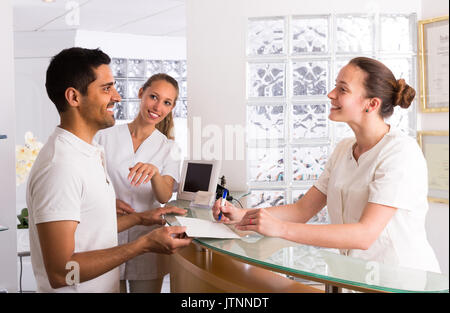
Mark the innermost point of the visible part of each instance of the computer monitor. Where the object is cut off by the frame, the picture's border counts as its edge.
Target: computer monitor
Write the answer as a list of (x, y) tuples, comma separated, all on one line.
[(198, 175)]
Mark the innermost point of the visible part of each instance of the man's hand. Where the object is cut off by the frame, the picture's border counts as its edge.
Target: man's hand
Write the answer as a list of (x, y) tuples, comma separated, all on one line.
[(123, 208), (154, 216), (165, 240)]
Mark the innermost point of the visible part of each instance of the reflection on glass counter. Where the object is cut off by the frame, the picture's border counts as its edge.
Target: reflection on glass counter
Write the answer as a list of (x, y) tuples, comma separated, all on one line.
[(318, 264)]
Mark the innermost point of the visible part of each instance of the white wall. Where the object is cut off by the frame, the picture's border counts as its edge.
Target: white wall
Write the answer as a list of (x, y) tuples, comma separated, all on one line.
[(216, 31), (438, 216), (34, 110), (8, 248), (133, 46)]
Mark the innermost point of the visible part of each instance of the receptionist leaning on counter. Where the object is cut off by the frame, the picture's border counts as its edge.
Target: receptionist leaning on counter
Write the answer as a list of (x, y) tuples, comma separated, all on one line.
[(374, 185)]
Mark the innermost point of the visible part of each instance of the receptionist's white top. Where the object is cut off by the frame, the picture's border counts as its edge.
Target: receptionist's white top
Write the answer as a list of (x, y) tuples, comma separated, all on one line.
[(120, 156), (392, 173)]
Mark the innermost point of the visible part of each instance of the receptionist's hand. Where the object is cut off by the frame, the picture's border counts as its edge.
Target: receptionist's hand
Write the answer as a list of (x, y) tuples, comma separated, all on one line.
[(155, 216), (261, 221), (230, 213)]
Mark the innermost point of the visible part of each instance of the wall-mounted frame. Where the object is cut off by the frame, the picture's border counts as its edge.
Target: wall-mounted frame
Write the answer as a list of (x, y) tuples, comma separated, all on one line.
[(433, 64), (434, 145)]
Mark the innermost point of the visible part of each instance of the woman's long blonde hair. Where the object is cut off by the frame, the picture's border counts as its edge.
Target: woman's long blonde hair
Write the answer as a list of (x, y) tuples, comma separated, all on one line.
[(166, 125)]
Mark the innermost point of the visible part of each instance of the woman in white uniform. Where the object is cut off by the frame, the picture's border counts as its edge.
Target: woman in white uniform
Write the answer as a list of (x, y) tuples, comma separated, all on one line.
[(374, 185), (144, 163)]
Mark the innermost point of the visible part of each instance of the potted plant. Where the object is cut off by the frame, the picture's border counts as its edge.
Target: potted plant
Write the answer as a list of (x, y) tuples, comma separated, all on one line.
[(23, 240), (25, 156), (23, 219)]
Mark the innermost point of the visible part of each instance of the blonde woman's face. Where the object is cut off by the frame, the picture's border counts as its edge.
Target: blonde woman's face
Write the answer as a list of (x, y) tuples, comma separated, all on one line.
[(157, 101)]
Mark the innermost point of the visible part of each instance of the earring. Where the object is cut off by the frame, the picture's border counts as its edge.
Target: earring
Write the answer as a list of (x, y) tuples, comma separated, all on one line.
[(367, 110)]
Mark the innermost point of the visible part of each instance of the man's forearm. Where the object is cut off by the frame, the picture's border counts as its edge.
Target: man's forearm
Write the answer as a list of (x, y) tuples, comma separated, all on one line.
[(127, 221), (97, 262), (92, 264)]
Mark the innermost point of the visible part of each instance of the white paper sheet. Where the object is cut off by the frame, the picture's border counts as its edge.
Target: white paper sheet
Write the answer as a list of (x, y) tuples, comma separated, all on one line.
[(196, 227)]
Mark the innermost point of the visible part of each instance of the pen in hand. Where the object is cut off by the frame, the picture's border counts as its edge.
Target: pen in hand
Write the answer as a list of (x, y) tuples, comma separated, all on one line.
[(222, 202)]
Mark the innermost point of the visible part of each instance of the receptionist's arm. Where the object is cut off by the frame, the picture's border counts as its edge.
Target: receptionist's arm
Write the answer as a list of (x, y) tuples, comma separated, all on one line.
[(300, 212), (162, 187), (359, 235)]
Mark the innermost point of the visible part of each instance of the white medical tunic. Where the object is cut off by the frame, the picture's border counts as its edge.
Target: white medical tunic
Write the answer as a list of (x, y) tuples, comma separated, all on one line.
[(163, 153), (69, 182), (392, 173)]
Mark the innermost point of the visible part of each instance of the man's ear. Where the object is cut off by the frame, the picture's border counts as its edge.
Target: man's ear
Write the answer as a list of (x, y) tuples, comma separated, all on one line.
[(73, 97)]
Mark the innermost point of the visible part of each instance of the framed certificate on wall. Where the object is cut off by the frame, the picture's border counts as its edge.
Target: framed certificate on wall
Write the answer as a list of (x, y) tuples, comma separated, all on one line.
[(434, 145), (434, 64)]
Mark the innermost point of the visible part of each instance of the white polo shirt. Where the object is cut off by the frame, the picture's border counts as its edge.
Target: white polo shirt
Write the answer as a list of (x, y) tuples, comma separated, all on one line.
[(392, 173), (69, 181)]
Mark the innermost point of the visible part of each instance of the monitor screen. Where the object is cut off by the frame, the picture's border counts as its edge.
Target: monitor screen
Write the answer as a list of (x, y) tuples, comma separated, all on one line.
[(198, 177)]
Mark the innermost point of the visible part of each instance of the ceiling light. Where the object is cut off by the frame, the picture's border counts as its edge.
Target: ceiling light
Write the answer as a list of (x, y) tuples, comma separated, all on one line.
[(48, 1)]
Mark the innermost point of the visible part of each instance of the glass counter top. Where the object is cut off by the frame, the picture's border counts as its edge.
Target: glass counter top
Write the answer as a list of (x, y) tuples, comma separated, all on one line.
[(315, 263)]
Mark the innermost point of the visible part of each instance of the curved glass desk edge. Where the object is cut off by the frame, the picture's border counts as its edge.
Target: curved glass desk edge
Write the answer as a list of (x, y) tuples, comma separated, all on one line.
[(306, 274), (423, 276)]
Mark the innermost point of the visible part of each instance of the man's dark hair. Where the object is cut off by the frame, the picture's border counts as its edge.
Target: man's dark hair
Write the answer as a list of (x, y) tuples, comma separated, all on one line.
[(73, 67)]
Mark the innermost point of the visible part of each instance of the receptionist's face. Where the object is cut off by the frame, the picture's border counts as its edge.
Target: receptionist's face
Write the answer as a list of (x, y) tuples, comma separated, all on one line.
[(157, 100), (348, 100)]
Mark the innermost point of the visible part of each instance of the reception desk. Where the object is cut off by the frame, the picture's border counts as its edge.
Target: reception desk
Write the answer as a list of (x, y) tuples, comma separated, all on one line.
[(257, 263)]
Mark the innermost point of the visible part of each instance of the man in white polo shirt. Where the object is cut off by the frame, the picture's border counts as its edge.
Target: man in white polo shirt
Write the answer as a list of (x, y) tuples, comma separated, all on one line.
[(71, 200)]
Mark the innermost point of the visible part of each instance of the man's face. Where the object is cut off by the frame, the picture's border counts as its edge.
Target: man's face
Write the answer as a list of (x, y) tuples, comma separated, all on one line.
[(98, 104)]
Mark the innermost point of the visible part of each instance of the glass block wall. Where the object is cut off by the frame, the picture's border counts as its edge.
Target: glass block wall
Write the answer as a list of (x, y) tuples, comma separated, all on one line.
[(292, 63), (130, 76)]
